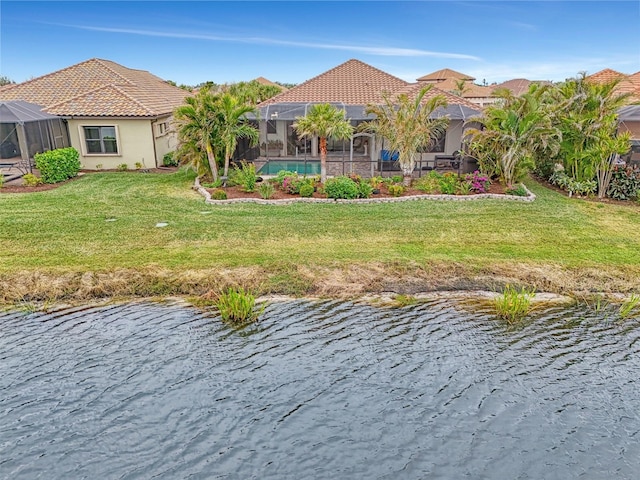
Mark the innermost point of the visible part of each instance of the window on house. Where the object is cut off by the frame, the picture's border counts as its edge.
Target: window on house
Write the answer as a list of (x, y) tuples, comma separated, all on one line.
[(101, 140), (271, 126), (163, 128)]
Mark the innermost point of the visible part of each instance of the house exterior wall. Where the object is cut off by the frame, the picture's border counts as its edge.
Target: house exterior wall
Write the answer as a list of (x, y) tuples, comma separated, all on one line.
[(135, 142), (165, 137)]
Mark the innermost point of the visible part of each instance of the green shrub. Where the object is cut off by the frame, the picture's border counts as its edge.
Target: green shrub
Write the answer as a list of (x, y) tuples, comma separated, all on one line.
[(306, 190), (58, 165), (341, 187), (397, 179), (625, 183), (1, 180), (219, 194), (376, 182), (449, 183), (169, 160), (99, 166), (364, 190), (30, 180), (513, 305), (266, 190), (238, 306), (123, 167), (518, 191), (429, 184), (139, 165), (245, 175), (571, 185), (396, 190)]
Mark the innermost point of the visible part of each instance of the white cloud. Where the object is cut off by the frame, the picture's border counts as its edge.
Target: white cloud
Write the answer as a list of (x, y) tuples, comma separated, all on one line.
[(381, 51)]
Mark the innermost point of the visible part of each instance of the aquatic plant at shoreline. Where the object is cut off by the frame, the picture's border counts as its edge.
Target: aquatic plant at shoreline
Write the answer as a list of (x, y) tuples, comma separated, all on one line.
[(238, 306), (513, 304)]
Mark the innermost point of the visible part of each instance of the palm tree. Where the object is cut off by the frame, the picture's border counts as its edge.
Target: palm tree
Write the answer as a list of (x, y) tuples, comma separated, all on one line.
[(516, 130), (407, 124), (325, 121), (231, 114), (198, 127), (586, 113)]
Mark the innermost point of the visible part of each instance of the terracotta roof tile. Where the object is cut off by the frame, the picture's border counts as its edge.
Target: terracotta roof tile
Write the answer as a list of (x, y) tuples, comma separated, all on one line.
[(351, 83), (518, 86), (471, 90), (605, 76), (414, 88), (99, 88), (444, 74)]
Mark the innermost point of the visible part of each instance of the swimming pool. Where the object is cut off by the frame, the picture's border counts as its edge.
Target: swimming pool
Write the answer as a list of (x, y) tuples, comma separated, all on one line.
[(272, 167)]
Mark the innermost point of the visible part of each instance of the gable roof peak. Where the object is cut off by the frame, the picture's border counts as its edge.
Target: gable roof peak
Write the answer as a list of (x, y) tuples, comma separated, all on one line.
[(443, 74)]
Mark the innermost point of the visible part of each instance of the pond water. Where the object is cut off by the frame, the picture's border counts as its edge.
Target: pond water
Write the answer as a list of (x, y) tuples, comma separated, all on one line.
[(322, 390)]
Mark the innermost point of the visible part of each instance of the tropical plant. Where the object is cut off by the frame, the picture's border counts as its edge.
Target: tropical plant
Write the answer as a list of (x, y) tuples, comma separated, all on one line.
[(396, 190), (307, 190), (198, 131), (232, 123), (625, 183), (586, 114), (516, 131), (252, 92), (219, 194), (325, 121), (245, 175), (407, 125)]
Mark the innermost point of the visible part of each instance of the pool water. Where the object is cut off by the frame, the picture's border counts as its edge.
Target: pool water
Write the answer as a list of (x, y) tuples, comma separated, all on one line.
[(272, 167)]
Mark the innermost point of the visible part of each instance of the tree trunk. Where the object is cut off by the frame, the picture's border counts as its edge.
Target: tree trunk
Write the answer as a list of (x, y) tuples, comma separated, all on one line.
[(212, 163), (323, 159)]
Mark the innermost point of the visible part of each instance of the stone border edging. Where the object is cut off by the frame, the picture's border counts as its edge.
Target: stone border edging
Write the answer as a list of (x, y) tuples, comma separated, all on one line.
[(288, 201)]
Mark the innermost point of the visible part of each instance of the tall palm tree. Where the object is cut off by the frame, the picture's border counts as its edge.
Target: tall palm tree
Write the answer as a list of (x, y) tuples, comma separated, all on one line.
[(325, 121), (198, 127), (407, 124), (231, 115)]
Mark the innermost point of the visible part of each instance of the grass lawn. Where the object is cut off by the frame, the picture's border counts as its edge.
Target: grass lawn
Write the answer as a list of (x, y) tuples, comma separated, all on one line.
[(97, 235)]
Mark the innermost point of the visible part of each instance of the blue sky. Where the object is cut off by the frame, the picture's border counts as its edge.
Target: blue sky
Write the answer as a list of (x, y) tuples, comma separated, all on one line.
[(193, 42)]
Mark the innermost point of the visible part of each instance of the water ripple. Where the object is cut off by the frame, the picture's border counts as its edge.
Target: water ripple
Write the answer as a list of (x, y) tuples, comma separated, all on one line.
[(318, 390)]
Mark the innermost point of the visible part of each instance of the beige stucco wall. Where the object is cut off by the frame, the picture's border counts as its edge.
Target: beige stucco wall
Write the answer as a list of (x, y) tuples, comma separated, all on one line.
[(165, 142), (135, 143)]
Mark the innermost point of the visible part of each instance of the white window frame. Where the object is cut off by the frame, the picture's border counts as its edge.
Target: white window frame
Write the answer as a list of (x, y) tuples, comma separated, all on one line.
[(85, 151)]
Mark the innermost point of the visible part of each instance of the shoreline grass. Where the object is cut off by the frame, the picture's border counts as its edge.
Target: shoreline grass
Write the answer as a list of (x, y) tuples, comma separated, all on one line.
[(97, 237)]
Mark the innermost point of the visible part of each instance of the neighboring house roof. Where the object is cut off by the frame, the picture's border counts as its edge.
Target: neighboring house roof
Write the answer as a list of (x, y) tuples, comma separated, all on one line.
[(606, 75), (413, 89), (351, 83), (96, 88), (518, 86), (471, 90), (628, 83), (443, 74), (264, 81)]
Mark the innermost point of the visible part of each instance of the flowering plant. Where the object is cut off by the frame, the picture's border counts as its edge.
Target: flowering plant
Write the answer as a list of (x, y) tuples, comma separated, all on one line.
[(479, 182)]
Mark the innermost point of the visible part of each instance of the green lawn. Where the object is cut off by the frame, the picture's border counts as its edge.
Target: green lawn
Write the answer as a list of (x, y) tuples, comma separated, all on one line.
[(106, 222)]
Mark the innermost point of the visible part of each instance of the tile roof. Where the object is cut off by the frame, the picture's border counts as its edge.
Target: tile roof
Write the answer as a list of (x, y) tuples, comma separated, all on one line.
[(471, 90), (352, 83), (443, 74), (518, 86), (628, 83), (413, 89), (99, 87), (605, 76)]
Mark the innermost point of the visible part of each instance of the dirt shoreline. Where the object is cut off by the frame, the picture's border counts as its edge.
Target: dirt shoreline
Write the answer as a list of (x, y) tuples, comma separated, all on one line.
[(348, 283)]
